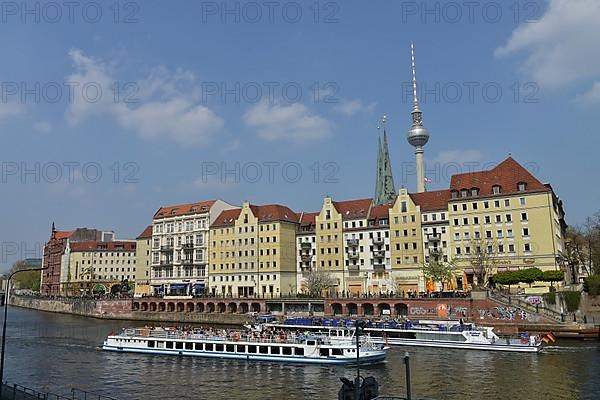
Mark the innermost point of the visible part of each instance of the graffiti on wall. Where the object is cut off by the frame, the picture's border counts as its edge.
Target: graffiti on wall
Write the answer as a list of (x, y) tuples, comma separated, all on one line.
[(504, 313)]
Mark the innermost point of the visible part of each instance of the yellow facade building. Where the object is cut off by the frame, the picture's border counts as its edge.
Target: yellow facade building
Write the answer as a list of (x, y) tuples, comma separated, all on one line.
[(143, 261), (252, 251)]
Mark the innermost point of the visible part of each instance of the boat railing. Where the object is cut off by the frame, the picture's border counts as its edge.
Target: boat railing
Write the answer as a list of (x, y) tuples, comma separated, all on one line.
[(289, 339)]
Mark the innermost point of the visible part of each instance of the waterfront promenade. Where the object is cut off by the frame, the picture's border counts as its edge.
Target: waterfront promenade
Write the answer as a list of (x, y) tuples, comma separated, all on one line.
[(509, 316)]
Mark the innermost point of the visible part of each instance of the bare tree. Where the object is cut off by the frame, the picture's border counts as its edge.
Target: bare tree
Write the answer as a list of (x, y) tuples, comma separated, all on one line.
[(318, 280), (484, 252), (437, 269)]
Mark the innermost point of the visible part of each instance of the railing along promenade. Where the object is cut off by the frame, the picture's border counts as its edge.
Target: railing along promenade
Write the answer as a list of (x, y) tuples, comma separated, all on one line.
[(19, 392)]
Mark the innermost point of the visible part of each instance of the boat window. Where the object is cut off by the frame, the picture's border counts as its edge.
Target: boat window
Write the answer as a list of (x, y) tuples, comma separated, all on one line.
[(275, 350), (219, 347), (179, 345), (160, 345), (263, 350), (324, 352), (230, 348), (337, 352), (169, 345), (189, 346), (251, 349), (287, 351), (241, 348), (150, 343), (208, 347), (299, 351), (198, 346)]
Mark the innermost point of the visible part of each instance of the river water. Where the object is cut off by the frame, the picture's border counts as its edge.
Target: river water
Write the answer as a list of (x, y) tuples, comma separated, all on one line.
[(54, 352)]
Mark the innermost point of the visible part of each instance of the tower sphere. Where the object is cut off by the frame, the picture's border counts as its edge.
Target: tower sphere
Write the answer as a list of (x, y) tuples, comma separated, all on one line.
[(418, 135)]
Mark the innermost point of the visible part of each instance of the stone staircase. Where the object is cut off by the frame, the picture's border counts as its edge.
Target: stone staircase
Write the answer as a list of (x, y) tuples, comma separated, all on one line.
[(512, 301)]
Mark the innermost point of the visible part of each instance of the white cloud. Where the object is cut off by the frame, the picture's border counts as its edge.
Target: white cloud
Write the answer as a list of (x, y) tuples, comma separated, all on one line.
[(457, 156), (165, 104), (592, 96), (42, 127), (8, 110), (351, 107), (562, 46), (293, 122)]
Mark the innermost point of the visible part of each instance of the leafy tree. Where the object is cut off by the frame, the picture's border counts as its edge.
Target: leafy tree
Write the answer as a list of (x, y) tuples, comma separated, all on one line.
[(506, 278), (552, 276), (437, 269), (592, 285), (484, 253), (316, 281), (25, 280), (529, 275)]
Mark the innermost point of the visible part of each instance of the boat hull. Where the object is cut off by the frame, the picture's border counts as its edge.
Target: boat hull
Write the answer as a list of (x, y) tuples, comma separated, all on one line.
[(455, 345)]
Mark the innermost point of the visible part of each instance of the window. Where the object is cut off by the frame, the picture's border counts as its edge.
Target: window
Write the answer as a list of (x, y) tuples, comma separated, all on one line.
[(454, 194), (486, 204), (521, 186), (466, 221), (508, 217), (496, 189), (474, 192), (456, 235), (458, 250), (524, 216), (488, 219), (455, 221), (474, 206), (527, 247), (464, 207), (464, 193), (525, 231), (455, 207), (522, 201), (511, 248), (499, 234), (506, 202), (497, 203), (476, 220), (498, 219)]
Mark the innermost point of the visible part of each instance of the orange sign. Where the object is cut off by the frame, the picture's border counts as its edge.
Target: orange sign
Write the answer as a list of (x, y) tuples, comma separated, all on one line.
[(442, 310)]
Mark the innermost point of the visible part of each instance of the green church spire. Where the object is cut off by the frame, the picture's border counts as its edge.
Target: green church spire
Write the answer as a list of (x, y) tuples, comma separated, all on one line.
[(385, 191)]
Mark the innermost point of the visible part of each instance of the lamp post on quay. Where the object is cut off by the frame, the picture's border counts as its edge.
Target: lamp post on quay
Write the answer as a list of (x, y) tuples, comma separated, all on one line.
[(6, 296)]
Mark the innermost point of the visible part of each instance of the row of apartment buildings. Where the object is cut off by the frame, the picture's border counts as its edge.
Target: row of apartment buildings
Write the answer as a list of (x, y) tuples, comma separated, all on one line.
[(503, 216)]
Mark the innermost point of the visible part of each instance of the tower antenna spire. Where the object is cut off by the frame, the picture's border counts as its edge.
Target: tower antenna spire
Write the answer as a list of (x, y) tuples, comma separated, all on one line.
[(418, 135), (414, 77)]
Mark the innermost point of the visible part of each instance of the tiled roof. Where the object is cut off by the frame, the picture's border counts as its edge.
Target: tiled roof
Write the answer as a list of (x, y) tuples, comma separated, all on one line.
[(106, 246), (380, 211), (63, 234), (308, 218), (227, 217), (274, 212), (508, 174), (430, 201), (353, 209), (147, 233), (266, 213), (184, 209)]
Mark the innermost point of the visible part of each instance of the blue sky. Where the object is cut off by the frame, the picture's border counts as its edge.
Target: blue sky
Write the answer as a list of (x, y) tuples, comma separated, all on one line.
[(173, 129)]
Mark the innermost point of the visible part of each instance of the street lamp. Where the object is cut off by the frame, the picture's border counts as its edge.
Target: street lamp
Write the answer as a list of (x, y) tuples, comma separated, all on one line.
[(6, 295)]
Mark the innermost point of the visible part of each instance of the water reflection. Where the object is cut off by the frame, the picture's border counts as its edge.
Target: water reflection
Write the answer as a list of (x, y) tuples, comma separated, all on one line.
[(56, 352)]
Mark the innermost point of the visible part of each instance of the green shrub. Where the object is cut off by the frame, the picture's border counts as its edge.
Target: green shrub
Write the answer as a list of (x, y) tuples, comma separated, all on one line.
[(550, 298), (571, 299), (553, 276), (591, 285)]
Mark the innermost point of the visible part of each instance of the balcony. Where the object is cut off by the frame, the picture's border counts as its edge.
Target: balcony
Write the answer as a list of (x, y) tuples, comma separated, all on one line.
[(352, 242), (188, 245), (353, 256), (434, 237), (378, 240), (305, 245), (165, 263), (166, 248), (378, 267), (187, 261), (353, 268), (306, 257), (379, 253)]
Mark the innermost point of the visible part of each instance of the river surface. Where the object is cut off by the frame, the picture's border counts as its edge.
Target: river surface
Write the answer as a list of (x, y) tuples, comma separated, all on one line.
[(54, 352)]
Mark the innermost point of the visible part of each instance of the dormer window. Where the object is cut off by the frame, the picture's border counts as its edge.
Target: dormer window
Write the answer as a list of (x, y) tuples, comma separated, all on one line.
[(464, 193), (496, 189), (521, 186), (454, 194), (474, 192)]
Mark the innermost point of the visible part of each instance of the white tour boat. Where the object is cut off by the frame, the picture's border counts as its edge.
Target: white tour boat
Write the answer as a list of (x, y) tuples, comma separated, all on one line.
[(424, 333), (316, 349)]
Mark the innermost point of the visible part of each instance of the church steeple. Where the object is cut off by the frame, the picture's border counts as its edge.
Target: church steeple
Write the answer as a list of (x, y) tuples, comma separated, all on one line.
[(385, 191)]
